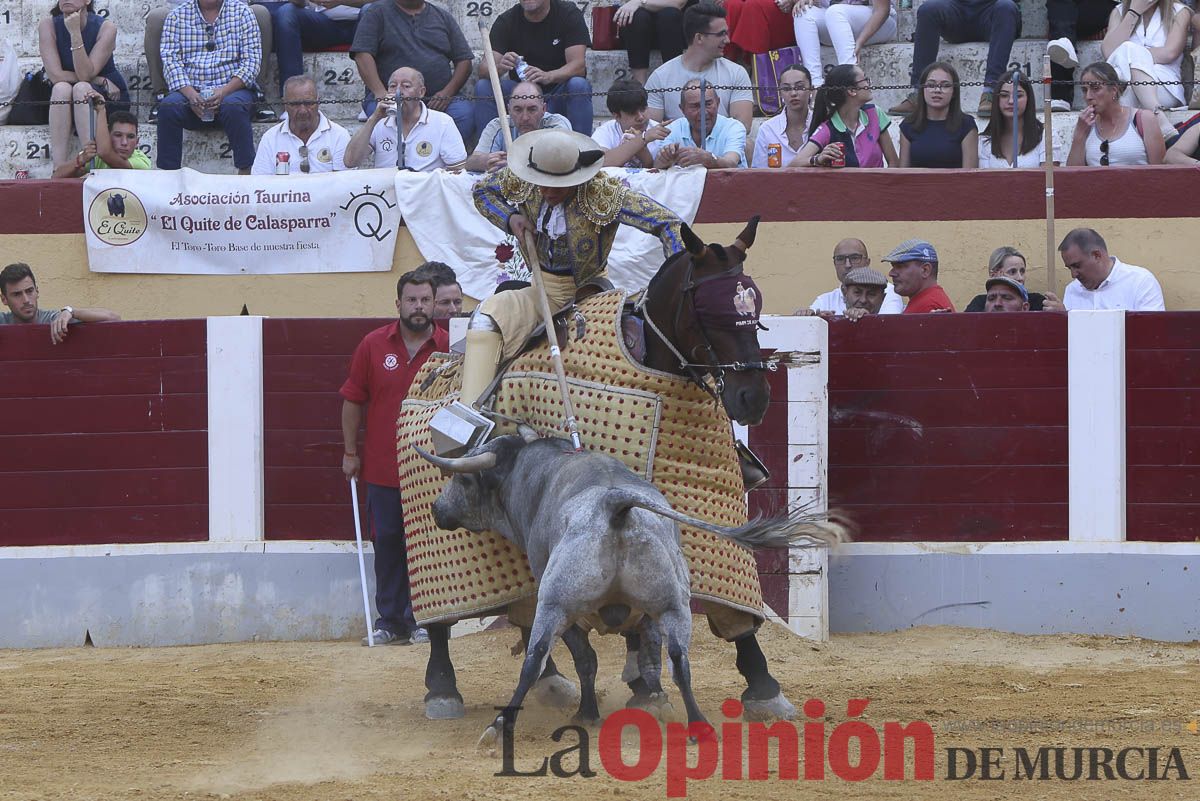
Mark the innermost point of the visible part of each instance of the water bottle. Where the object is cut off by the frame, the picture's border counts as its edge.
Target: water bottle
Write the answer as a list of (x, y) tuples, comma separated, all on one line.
[(522, 69), (208, 114)]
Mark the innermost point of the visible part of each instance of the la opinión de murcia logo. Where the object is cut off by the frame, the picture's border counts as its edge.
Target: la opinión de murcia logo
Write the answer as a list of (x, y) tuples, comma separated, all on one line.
[(852, 751), (369, 218)]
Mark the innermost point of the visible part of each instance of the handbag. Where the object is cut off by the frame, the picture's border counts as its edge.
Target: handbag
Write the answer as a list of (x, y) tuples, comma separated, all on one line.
[(767, 69), (31, 106), (604, 28)]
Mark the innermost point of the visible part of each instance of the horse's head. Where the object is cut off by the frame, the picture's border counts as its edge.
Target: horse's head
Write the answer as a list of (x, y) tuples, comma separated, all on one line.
[(707, 310)]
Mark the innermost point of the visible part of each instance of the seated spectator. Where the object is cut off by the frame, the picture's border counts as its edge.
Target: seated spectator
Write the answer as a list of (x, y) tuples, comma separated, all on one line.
[(313, 142), (1070, 21), (1185, 149), (847, 129), (647, 25), (19, 292), (1006, 262), (996, 141), (849, 255), (724, 143), (705, 32), (431, 140), (1144, 44), (630, 138), (756, 26), (1108, 132), (1005, 295), (526, 112), (789, 128), (298, 26), (543, 42), (997, 22), (1103, 281), (863, 292), (914, 274), (116, 146), (77, 51), (211, 51), (426, 37), (849, 26), (152, 42), (447, 292), (939, 134)]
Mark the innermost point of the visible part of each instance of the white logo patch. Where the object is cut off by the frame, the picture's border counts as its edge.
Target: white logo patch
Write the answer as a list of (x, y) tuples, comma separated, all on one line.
[(390, 362)]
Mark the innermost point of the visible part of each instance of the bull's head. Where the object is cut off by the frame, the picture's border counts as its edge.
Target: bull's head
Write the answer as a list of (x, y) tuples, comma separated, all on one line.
[(470, 499)]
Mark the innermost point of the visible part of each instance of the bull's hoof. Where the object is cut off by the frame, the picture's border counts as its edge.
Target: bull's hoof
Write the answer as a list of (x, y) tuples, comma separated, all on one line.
[(580, 719), (777, 708), (487, 742), (444, 709), (556, 691)]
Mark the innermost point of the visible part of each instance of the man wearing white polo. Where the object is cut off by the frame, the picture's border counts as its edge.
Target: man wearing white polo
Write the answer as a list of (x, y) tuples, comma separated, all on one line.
[(1103, 281), (429, 141), (312, 141)]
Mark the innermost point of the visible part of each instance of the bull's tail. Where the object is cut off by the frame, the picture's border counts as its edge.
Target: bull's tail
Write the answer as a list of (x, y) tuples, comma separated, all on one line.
[(797, 526)]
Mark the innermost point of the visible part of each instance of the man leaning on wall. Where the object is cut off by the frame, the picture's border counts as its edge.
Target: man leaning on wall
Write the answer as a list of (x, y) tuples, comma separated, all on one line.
[(19, 292)]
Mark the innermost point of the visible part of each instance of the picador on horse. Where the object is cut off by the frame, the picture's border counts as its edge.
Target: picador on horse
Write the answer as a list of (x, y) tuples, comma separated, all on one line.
[(661, 414)]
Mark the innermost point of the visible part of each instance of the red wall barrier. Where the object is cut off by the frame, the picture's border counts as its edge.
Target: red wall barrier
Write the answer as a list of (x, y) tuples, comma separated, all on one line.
[(104, 436)]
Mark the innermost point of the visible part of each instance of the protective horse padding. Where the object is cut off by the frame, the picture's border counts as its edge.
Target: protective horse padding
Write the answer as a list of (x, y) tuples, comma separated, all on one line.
[(661, 426)]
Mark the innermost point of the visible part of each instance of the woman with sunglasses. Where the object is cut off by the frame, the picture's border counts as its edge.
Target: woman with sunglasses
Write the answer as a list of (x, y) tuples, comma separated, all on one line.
[(847, 129), (1109, 133), (77, 50), (996, 141), (787, 130), (939, 134)]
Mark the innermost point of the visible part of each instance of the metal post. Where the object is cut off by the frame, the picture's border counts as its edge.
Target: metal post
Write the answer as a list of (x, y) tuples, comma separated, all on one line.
[(1016, 121), (1048, 132)]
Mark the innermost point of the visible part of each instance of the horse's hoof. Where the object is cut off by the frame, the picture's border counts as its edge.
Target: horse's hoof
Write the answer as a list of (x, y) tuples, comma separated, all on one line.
[(777, 708), (586, 720), (487, 742), (556, 691), (656, 704), (444, 709)]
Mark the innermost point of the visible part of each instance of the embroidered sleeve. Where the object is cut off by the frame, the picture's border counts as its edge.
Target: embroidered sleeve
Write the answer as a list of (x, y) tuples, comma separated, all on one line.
[(497, 196), (652, 217)]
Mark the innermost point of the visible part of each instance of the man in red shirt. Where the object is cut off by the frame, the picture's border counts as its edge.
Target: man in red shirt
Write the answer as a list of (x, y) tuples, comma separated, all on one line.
[(914, 275), (383, 366)]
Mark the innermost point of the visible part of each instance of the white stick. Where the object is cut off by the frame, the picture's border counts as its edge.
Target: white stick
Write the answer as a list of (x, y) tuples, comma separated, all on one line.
[(362, 563)]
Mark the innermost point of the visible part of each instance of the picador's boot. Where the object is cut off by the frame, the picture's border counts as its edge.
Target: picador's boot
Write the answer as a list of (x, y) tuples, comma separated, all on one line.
[(460, 427)]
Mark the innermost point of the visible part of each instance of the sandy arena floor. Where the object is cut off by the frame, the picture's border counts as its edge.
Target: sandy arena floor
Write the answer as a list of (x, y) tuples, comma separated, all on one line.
[(334, 720)]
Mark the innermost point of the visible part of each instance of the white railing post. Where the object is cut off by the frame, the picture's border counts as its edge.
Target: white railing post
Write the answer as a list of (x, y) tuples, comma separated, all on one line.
[(1096, 425), (235, 429)]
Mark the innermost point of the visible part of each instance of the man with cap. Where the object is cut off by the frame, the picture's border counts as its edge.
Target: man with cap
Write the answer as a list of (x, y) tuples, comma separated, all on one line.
[(851, 254), (863, 292), (914, 274), (553, 188), (1006, 294)]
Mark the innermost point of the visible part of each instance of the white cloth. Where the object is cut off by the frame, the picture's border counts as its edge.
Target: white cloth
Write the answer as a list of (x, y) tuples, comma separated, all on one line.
[(774, 132), (1133, 54), (326, 148), (1127, 287), (837, 25), (610, 135), (988, 161), (1128, 149), (833, 301), (434, 143), (672, 75), (441, 217)]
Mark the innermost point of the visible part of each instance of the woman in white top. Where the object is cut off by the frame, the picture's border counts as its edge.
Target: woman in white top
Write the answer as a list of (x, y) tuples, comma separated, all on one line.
[(788, 128), (1145, 42), (996, 141), (1109, 133), (848, 26)]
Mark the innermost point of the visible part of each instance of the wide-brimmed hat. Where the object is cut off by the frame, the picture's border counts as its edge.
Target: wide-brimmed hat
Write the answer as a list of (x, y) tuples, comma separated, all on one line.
[(553, 157)]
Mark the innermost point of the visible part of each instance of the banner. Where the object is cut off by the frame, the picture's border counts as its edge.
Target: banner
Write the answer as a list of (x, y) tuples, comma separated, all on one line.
[(438, 210), (193, 223)]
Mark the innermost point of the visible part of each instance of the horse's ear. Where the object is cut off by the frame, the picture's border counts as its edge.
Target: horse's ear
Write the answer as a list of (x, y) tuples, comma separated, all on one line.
[(746, 238), (692, 242)]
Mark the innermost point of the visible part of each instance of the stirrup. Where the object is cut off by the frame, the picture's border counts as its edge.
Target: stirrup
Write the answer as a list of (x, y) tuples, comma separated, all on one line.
[(458, 428)]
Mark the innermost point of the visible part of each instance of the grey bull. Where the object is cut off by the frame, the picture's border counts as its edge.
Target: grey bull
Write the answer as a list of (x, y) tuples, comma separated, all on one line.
[(601, 541)]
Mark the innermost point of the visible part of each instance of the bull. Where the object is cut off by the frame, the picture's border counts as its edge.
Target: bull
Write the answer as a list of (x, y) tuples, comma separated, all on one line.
[(116, 204), (604, 545)]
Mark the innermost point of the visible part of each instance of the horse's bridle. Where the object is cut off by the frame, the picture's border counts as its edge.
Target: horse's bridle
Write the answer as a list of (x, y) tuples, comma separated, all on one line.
[(713, 365)]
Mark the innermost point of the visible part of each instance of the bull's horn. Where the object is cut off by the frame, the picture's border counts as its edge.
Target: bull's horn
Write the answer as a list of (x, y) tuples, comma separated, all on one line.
[(746, 238), (527, 433), (463, 464)]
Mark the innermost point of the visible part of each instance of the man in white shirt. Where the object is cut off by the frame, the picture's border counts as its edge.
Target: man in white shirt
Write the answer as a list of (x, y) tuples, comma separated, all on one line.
[(526, 112), (1103, 281), (706, 32), (430, 139), (313, 142), (850, 254), (630, 138), (721, 146)]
